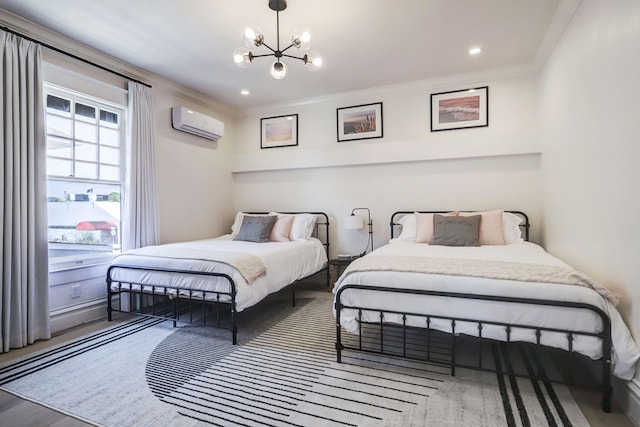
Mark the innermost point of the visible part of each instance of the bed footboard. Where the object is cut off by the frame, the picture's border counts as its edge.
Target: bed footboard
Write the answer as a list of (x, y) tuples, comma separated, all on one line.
[(440, 347), (170, 302)]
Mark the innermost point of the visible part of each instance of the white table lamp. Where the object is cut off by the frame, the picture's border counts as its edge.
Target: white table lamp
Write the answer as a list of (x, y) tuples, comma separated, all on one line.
[(356, 222)]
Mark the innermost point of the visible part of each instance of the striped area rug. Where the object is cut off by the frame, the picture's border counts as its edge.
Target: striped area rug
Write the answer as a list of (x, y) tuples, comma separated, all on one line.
[(146, 373)]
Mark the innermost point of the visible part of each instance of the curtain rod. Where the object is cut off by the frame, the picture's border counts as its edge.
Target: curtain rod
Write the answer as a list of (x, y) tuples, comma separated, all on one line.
[(71, 55)]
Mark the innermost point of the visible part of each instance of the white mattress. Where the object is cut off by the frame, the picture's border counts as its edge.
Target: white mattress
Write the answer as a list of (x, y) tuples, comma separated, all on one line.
[(285, 262), (625, 351)]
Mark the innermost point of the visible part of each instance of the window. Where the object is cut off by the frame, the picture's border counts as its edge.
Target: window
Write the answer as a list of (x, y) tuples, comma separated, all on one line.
[(84, 177)]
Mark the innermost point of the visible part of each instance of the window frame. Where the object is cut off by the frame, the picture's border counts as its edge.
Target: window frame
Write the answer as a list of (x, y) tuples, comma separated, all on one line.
[(100, 104)]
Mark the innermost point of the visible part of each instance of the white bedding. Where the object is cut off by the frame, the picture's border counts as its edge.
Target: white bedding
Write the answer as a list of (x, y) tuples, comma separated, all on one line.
[(285, 263), (625, 350)]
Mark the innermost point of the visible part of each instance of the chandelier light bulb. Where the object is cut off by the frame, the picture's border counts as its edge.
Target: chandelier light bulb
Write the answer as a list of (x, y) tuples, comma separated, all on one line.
[(278, 70), (253, 37), (313, 61), (301, 39), (242, 57)]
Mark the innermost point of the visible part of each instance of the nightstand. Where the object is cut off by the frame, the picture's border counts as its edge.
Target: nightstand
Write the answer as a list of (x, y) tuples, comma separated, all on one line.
[(337, 267)]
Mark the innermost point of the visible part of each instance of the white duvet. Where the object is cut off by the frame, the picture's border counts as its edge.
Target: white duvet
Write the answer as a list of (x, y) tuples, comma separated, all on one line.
[(625, 351), (285, 263)]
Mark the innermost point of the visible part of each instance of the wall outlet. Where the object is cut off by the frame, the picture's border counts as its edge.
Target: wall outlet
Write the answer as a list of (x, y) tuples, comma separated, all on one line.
[(75, 291)]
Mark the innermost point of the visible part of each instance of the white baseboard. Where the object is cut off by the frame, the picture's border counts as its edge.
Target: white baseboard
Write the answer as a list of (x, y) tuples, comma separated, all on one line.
[(627, 395), (77, 315)]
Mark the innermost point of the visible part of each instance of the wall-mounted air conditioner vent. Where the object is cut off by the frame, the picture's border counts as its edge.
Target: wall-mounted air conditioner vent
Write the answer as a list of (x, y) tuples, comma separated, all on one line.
[(190, 121)]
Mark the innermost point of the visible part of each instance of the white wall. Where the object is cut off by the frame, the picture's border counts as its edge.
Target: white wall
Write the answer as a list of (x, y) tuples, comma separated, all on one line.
[(410, 168), (194, 180), (589, 115), (590, 140)]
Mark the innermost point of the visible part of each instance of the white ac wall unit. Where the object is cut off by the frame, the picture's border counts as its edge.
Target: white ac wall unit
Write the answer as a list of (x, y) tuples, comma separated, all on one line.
[(187, 120)]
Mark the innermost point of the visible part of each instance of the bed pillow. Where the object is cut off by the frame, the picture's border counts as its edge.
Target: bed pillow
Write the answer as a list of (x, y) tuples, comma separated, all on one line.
[(237, 223), (408, 232), (302, 227), (424, 226), (511, 228), (491, 231), (281, 229), (456, 230), (256, 228)]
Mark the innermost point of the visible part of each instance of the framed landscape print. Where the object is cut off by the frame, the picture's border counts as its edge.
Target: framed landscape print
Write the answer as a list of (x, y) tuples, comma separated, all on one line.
[(280, 131), (460, 109), (360, 122)]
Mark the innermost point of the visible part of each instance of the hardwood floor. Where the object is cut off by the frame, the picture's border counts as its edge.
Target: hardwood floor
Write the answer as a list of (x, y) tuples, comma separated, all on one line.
[(18, 412)]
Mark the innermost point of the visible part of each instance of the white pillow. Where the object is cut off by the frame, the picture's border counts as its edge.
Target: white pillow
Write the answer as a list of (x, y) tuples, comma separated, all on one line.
[(409, 228), (511, 228), (302, 227), (237, 223)]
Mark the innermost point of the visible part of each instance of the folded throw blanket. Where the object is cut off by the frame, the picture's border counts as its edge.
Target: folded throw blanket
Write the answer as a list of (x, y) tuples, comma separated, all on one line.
[(505, 270), (249, 266)]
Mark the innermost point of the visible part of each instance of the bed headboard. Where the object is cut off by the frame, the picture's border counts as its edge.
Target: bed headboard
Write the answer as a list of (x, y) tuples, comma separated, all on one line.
[(395, 217), (320, 231)]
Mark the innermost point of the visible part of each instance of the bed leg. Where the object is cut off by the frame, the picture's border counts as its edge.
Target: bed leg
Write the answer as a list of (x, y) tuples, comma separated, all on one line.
[(234, 332), (328, 278), (338, 332), (234, 327), (607, 346), (109, 308), (293, 294), (606, 400), (175, 311), (607, 390)]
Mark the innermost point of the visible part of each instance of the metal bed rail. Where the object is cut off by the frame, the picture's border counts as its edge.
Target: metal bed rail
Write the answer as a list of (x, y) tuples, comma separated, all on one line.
[(400, 344), (170, 302)]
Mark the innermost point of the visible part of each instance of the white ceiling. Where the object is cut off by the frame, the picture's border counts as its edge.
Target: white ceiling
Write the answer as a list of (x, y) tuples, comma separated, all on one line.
[(364, 43)]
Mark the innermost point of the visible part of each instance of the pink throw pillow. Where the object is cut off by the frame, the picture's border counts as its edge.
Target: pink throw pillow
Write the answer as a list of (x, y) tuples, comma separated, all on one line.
[(281, 229), (491, 231)]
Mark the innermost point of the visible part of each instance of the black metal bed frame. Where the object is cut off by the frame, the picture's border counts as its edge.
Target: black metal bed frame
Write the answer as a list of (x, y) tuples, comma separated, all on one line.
[(174, 303), (402, 347)]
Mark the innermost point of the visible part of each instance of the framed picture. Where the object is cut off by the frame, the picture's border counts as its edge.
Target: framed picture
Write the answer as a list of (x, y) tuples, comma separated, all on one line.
[(280, 131), (460, 109), (360, 122)]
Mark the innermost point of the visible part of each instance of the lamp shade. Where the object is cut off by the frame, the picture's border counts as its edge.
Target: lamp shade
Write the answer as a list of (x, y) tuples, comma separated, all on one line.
[(353, 222)]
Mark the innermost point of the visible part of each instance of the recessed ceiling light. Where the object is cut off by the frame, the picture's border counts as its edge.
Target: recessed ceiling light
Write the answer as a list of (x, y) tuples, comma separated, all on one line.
[(475, 51), (244, 92)]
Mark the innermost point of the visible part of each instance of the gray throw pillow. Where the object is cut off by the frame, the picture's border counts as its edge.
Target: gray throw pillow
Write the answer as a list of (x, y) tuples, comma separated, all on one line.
[(456, 230), (256, 228)]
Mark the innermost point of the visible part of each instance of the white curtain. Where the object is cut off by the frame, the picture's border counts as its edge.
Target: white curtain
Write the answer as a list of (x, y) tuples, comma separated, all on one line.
[(141, 226), (24, 298)]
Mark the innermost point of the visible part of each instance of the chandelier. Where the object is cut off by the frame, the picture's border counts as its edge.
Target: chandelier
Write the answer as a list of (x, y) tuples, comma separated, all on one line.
[(243, 56)]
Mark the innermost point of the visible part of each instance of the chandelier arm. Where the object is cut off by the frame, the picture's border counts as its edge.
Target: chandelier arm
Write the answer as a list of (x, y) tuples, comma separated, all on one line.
[(263, 55), (287, 48), (291, 56), (268, 47)]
